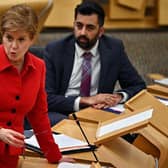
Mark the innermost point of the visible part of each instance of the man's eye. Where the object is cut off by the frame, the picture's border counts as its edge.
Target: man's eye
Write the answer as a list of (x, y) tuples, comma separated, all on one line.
[(90, 28), (79, 26)]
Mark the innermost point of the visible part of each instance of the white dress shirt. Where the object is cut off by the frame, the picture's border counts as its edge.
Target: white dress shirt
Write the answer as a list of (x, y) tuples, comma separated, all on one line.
[(75, 80)]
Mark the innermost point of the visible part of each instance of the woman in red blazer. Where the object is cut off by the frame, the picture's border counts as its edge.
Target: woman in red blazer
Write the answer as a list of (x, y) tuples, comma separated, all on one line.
[(22, 89)]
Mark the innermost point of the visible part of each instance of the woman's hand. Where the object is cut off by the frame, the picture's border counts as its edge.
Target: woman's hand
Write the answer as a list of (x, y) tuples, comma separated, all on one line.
[(12, 137)]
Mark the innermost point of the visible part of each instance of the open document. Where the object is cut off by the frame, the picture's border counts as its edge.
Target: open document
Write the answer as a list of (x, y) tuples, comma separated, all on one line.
[(163, 82), (78, 165), (66, 144), (117, 109), (72, 165)]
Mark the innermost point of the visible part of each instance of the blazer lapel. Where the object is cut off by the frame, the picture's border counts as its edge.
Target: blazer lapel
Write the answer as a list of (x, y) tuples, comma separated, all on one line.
[(105, 55), (68, 63)]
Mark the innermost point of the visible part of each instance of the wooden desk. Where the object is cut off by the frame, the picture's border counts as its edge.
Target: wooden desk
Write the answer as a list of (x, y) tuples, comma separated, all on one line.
[(36, 162), (117, 152), (94, 115), (158, 90), (154, 76), (69, 127)]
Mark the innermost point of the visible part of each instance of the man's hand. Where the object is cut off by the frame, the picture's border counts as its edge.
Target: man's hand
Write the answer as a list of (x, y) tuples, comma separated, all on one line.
[(12, 137), (101, 100)]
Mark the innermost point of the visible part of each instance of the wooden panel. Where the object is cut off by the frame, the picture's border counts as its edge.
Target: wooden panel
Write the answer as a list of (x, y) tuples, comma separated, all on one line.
[(119, 12), (88, 128), (97, 115), (162, 12), (62, 13), (158, 90), (155, 143), (34, 162), (125, 155), (41, 7), (154, 76), (160, 114), (137, 5), (144, 145)]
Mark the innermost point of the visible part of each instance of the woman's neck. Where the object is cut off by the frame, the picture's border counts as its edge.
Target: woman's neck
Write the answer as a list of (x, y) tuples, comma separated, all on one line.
[(18, 65)]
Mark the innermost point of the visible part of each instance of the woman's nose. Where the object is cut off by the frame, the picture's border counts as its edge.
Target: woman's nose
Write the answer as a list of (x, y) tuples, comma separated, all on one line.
[(14, 44)]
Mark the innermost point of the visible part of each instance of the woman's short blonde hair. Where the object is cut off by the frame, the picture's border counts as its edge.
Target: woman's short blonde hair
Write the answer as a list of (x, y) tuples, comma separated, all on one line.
[(19, 17)]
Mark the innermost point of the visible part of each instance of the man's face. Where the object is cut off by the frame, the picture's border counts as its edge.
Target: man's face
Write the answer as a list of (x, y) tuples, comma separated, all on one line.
[(87, 30)]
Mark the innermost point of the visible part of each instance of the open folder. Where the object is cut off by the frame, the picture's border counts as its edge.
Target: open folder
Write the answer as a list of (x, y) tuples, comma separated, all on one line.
[(66, 144), (123, 124)]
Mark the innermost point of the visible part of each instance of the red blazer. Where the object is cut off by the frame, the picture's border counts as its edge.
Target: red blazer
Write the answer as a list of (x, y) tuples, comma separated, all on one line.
[(24, 94)]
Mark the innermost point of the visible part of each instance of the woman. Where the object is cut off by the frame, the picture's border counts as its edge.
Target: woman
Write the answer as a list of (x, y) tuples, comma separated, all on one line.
[(22, 77)]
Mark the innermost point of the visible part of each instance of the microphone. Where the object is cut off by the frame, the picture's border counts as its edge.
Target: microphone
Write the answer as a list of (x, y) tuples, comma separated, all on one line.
[(83, 133)]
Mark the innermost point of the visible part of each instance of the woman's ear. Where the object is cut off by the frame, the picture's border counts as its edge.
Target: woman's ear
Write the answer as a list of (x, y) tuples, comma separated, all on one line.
[(34, 39)]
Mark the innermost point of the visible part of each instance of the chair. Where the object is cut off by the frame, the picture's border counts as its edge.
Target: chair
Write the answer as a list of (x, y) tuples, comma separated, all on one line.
[(41, 7), (153, 142)]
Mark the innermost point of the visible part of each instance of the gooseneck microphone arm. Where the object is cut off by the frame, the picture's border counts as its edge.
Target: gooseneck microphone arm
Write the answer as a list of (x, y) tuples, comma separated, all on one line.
[(83, 133)]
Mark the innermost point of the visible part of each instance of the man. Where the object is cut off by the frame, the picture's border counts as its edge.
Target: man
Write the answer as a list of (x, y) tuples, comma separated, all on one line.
[(109, 64)]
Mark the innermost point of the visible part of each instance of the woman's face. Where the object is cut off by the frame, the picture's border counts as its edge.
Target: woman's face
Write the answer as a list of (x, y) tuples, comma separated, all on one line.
[(16, 44)]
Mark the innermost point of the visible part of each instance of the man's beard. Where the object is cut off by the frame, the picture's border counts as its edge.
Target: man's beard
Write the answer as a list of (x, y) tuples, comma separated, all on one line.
[(86, 44)]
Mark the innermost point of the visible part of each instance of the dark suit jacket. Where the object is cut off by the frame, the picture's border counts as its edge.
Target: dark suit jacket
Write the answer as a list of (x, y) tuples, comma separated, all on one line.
[(115, 66)]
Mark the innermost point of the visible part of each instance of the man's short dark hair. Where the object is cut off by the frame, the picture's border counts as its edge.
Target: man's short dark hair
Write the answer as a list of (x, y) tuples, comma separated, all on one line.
[(89, 8)]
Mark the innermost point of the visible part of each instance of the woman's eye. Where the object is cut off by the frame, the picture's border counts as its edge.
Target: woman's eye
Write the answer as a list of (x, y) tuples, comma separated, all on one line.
[(9, 38), (21, 39)]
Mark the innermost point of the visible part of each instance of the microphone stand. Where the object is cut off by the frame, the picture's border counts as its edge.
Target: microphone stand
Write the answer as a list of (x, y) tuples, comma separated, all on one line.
[(83, 133)]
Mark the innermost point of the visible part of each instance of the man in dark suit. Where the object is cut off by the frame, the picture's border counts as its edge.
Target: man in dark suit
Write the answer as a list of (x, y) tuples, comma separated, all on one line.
[(109, 64)]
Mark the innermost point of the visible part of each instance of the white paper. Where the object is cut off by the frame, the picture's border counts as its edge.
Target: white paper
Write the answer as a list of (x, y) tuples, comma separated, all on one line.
[(72, 165), (163, 81), (163, 101), (118, 107), (123, 123), (64, 142), (75, 165)]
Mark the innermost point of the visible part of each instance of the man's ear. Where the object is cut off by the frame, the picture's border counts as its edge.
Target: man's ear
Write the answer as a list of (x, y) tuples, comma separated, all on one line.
[(101, 31)]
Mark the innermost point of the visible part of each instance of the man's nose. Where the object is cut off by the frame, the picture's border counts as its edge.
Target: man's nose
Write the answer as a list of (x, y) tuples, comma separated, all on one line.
[(83, 30)]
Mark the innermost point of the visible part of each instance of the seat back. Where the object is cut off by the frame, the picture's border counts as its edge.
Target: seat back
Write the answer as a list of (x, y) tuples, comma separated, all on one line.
[(41, 7)]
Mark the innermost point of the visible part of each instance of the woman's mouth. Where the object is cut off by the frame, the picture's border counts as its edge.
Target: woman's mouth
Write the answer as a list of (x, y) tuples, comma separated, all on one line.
[(13, 54)]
